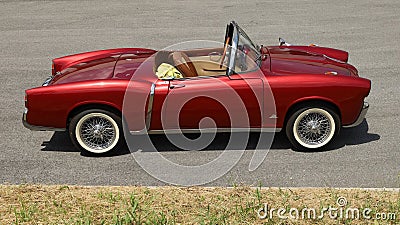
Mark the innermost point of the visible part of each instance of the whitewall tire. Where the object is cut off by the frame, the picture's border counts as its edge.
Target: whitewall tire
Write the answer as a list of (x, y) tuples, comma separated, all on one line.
[(312, 127), (96, 131)]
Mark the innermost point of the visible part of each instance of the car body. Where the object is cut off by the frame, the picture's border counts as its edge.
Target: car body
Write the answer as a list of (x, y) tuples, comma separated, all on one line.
[(315, 92)]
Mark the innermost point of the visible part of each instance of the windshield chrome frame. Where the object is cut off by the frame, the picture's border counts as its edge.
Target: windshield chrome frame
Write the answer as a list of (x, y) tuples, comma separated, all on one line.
[(235, 42), (232, 52)]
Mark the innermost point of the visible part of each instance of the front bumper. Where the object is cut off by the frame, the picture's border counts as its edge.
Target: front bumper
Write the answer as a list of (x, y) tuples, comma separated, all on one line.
[(37, 128), (361, 117)]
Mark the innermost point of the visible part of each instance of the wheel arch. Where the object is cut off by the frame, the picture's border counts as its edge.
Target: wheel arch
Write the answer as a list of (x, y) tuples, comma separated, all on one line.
[(92, 105), (311, 102)]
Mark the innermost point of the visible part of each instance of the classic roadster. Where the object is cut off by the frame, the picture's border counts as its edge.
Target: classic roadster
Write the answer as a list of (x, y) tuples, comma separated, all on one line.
[(314, 92)]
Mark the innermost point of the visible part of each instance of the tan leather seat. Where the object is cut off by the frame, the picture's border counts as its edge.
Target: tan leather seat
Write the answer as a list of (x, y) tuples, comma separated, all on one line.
[(183, 63)]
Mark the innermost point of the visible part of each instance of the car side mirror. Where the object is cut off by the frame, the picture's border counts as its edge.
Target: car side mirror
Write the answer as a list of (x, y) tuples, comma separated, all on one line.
[(282, 42)]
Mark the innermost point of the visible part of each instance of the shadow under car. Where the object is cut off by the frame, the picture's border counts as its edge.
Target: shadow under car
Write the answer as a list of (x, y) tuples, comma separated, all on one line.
[(348, 136)]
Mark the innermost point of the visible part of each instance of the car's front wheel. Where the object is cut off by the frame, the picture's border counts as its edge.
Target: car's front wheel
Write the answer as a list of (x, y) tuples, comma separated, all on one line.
[(312, 127), (96, 131)]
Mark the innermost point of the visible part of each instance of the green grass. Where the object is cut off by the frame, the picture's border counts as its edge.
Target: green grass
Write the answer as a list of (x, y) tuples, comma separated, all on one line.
[(33, 204)]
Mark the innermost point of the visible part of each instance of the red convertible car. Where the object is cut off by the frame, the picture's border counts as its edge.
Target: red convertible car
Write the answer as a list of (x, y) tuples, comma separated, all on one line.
[(315, 92)]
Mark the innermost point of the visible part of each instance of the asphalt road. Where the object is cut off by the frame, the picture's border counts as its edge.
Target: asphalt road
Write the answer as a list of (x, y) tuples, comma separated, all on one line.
[(34, 32)]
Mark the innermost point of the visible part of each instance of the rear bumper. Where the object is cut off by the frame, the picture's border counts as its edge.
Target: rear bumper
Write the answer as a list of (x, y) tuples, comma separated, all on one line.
[(361, 117), (37, 128)]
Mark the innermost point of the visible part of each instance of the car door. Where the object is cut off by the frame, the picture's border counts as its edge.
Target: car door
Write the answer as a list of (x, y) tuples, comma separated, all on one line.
[(210, 102)]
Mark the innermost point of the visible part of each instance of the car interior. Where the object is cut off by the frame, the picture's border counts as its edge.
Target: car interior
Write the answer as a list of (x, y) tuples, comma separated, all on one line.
[(193, 63), (205, 62)]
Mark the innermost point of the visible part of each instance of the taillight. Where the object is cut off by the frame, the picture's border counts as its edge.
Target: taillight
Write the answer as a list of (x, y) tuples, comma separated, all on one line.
[(53, 72), (26, 100)]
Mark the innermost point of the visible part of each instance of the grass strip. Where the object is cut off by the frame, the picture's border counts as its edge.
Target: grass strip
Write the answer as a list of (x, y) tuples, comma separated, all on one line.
[(40, 204)]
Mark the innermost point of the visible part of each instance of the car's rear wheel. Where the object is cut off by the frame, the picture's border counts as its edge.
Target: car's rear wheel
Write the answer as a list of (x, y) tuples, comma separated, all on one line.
[(312, 127), (96, 131)]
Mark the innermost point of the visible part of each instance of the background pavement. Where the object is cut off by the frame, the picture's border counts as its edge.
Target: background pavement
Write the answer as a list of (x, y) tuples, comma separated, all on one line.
[(34, 32)]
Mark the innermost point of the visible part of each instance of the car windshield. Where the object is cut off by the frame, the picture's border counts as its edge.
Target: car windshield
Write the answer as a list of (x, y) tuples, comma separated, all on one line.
[(244, 55), (244, 39)]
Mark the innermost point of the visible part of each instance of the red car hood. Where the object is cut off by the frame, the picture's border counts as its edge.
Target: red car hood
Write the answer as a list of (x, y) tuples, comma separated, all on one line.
[(309, 60)]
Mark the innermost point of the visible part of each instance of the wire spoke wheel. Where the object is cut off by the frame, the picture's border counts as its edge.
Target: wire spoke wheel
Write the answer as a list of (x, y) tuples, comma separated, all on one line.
[(312, 128), (97, 132)]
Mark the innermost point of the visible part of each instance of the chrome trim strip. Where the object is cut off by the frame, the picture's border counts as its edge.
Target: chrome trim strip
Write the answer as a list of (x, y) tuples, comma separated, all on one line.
[(208, 130), (138, 132), (361, 117), (232, 56), (37, 128), (150, 106)]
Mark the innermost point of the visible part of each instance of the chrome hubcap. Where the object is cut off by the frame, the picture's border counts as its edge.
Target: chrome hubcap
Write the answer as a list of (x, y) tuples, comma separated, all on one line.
[(314, 128), (97, 132)]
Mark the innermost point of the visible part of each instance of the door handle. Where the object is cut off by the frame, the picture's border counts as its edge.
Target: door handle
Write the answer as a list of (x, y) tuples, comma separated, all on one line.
[(172, 86)]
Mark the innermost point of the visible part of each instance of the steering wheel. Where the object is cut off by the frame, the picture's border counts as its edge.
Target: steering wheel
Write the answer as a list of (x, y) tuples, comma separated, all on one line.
[(184, 64)]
